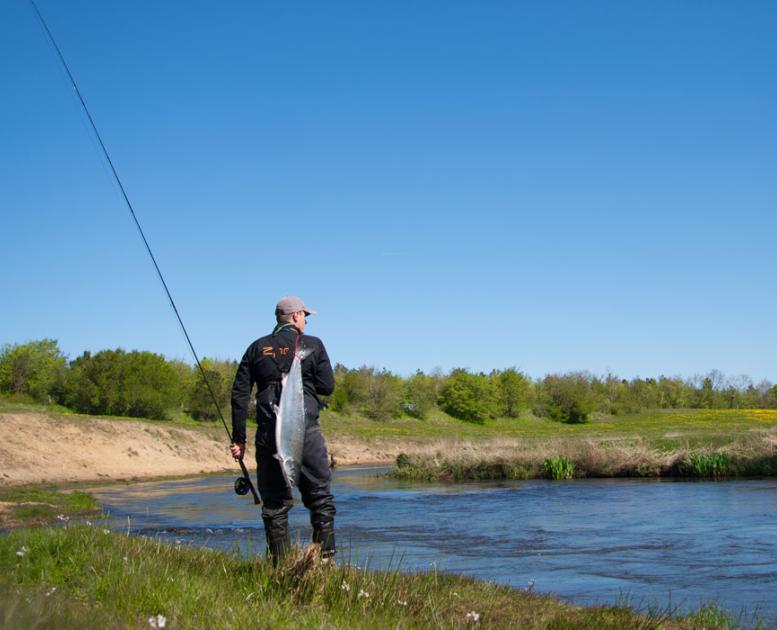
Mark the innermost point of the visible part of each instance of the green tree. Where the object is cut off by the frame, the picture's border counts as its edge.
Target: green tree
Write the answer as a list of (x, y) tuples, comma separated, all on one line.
[(770, 400), (36, 369), (220, 375), (674, 392), (420, 395), (512, 391), (351, 388), (115, 382), (568, 397), (384, 395), (467, 396)]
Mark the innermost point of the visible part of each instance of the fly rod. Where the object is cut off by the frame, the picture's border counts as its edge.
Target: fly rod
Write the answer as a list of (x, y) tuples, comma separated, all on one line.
[(243, 484)]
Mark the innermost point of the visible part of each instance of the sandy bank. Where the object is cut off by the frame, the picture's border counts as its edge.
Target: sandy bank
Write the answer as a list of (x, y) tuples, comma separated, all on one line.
[(40, 448)]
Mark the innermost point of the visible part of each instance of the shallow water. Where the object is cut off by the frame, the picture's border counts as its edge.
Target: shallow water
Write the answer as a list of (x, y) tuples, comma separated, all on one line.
[(649, 543)]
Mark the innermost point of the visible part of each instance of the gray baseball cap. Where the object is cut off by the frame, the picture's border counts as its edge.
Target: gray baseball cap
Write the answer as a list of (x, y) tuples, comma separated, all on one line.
[(292, 304)]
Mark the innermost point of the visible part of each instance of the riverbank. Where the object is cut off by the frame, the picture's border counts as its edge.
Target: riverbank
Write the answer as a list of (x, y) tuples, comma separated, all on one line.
[(751, 455), (138, 582), (44, 446)]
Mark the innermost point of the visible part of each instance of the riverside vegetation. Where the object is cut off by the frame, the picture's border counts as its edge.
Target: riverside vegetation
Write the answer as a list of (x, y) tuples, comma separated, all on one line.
[(87, 576), (455, 426), (147, 385)]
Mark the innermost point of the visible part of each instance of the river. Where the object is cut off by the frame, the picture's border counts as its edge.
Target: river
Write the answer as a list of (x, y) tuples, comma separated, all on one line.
[(665, 544)]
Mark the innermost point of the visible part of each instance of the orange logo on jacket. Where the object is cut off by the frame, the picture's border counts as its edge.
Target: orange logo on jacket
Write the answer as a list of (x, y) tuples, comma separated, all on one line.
[(268, 351)]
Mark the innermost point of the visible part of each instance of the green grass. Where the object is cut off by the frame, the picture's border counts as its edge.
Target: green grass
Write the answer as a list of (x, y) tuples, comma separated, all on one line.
[(84, 577), (558, 468), (34, 506), (714, 426), (710, 465)]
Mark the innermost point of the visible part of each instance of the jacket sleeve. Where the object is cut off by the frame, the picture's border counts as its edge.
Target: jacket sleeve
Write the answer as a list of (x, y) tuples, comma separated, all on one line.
[(324, 376), (241, 394)]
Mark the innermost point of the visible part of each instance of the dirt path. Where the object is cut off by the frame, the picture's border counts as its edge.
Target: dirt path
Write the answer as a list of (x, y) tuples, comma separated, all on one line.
[(40, 448)]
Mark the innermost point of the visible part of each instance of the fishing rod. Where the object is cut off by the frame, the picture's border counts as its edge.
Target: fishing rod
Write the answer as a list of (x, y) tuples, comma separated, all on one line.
[(243, 485)]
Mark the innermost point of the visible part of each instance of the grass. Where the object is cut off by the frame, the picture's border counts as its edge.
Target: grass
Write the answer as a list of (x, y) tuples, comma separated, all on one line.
[(667, 426), (34, 506), (558, 468), (710, 465), (659, 443), (561, 459), (80, 576)]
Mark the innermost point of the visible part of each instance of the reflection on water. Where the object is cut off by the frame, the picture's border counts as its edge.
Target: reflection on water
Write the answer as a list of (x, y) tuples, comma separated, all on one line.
[(677, 544)]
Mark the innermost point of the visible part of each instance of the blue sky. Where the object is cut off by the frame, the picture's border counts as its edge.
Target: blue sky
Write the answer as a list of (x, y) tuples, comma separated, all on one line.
[(548, 185)]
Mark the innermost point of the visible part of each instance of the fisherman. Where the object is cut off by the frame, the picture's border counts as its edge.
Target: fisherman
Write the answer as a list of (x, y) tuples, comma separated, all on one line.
[(265, 362)]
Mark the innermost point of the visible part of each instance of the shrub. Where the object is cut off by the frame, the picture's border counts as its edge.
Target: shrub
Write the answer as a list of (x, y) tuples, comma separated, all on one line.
[(420, 395), (384, 395), (403, 460), (220, 375), (376, 394), (35, 369), (114, 382), (467, 396), (512, 389), (568, 397)]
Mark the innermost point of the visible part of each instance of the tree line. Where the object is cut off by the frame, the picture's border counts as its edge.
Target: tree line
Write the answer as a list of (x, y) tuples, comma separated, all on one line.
[(146, 384)]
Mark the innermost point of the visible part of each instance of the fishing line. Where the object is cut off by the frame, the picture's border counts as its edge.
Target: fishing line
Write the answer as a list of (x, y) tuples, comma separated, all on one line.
[(246, 481)]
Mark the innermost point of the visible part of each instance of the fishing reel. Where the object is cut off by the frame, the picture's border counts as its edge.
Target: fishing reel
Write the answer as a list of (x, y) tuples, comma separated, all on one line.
[(242, 486)]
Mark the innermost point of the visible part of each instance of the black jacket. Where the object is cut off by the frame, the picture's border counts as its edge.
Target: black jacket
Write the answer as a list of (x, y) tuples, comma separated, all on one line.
[(264, 362)]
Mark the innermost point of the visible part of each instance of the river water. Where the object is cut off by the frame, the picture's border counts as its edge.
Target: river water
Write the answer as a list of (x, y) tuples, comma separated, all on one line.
[(664, 544)]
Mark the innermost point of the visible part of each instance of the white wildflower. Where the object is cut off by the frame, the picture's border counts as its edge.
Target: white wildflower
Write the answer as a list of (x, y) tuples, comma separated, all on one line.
[(345, 587), (88, 523), (473, 617), (51, 591), (157, 621), (362, 593), (402, 602), (455, 594), (22, 552), (63, 518), (106, 531)]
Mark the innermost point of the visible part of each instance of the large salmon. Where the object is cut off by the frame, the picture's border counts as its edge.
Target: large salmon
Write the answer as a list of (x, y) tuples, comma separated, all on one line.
[(290, 421)]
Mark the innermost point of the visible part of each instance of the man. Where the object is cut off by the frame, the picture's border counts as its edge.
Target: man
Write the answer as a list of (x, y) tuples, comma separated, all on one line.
[(265, 362)]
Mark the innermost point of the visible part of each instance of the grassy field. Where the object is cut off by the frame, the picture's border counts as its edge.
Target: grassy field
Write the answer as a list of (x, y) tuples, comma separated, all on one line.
[(662, 427), (684, 443), (80, 576)]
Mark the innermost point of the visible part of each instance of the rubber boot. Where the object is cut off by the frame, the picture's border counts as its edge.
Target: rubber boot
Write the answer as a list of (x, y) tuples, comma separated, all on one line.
[(324, 534), (277, 534)]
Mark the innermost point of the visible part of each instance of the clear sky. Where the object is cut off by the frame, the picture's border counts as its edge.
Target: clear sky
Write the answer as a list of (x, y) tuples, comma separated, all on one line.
[(552, 185)]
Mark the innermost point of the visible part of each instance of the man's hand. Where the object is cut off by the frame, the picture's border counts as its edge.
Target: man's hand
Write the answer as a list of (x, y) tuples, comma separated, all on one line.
[(237, 450)]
